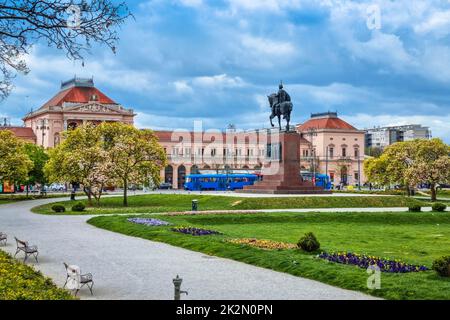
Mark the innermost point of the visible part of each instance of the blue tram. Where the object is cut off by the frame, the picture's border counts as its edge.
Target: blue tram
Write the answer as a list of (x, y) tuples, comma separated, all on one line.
[(320, 180), (218, 182)]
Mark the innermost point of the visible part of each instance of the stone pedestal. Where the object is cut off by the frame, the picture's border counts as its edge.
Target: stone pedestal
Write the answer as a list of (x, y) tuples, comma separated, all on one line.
[(281, 171)]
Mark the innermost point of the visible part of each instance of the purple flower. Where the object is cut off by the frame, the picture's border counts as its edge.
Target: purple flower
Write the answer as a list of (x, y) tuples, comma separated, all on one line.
[(364, 261), (149, 222), (195, 231)]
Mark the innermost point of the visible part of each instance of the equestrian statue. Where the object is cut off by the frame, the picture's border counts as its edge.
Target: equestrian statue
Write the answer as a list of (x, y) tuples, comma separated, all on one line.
[(281, 105)]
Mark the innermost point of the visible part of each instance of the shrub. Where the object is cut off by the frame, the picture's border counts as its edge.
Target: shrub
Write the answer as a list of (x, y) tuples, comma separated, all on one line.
[(58, 208), (79, 207), (308, 242), (415, 208), (442, 266), (19, 281), (439, 207)]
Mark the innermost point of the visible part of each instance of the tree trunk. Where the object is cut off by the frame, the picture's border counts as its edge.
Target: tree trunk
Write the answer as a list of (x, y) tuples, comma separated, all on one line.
[(433, 192), (27, 190), (125, 192), (89, 195)]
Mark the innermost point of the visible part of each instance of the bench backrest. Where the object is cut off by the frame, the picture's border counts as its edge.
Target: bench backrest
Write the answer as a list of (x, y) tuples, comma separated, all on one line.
[(21, 243)]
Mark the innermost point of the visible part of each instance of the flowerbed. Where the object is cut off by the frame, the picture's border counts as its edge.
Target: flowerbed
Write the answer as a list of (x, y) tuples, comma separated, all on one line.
[(363, 261), (149, 222), (21, 282), (195, 231), (263, 244)]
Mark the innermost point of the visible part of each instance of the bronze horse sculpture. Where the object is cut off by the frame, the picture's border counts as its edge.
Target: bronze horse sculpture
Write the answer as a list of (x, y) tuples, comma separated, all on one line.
[(280, 109)]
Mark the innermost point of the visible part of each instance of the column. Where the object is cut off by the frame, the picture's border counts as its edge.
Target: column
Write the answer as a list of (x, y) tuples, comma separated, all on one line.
[(175, 177)]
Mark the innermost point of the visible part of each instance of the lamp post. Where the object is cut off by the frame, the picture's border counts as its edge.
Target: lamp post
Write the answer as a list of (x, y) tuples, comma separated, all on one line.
[(311, 133)]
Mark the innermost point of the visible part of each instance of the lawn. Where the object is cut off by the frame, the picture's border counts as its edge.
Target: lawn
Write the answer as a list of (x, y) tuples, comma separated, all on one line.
[(21, 282), (416, 238), (174, 202)]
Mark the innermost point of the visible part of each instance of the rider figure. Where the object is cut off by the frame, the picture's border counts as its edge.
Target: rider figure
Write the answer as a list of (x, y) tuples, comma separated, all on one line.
[(283, 96)]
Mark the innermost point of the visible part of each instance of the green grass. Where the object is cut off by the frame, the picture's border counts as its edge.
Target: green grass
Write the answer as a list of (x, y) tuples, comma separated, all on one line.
[(21, 282), (443, 193), (417, 238), (174, 203)]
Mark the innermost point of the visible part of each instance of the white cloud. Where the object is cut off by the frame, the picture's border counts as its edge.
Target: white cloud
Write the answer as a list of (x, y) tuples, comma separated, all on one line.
[(263, 5), (438, 23), (181, 86), (108, 71), (192, 3), (221, 81), (268, 47)]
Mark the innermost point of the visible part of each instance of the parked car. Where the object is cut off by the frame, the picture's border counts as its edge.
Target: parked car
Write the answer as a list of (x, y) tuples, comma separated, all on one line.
[(56, 187), (165, 186)]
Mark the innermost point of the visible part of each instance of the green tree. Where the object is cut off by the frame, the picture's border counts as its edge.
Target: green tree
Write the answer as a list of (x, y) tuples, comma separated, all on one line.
[(375, 170), (411, 163), (14, 162), (81, 158), (39, 157), (431, 164), (136, 155)]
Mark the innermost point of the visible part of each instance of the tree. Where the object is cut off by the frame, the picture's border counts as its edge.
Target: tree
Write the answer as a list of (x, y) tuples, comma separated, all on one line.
[(14, 162), (135, 154), (375, 170), (81, 158), (411, 163), (68, 25), (431, 164), (39, 157)]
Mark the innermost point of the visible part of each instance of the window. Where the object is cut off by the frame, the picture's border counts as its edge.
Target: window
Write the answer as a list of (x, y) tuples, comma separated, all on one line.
[(344, 152), (356, 152), (331, 152), (356, 176)]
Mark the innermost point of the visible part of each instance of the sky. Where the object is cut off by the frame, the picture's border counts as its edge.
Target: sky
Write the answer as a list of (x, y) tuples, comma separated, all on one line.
[(376, 63)]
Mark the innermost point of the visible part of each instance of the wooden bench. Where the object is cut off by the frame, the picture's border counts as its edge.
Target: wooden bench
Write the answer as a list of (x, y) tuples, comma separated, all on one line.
[(26, 249)]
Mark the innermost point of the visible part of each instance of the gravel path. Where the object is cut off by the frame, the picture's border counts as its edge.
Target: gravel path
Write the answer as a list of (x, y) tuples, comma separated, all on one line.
[(131, 268)]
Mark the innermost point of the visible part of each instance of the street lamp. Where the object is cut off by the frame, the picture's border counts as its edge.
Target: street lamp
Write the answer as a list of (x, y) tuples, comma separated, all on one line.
[(311, 134)]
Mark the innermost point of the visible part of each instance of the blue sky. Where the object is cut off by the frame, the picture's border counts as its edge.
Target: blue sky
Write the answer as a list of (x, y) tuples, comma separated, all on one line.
[(186, 60)]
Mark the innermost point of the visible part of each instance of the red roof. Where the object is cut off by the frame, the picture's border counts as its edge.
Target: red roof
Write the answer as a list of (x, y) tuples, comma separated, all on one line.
[(325, 123), (78, 95), (22, 132)]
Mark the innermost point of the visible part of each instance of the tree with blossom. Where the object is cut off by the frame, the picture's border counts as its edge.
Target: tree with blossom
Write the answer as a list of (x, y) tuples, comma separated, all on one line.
[(412, 163), (136, 155), (81, 158), (430, 166)]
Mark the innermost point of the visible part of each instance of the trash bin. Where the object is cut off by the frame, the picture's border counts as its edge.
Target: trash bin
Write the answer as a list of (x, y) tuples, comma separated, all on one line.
[(194, 205), (72, 196)]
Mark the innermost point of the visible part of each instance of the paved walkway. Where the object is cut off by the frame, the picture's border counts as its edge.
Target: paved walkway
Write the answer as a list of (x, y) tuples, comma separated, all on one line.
[(132, 268)]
